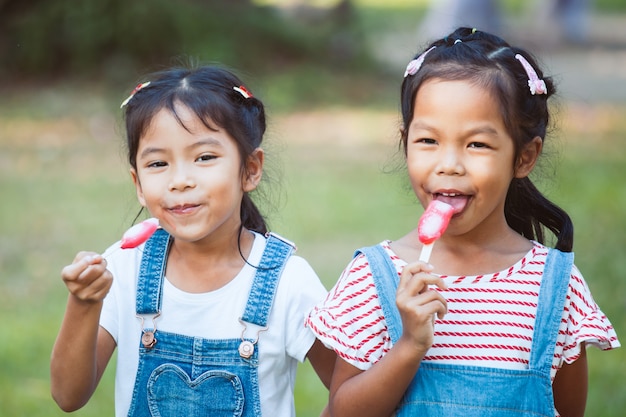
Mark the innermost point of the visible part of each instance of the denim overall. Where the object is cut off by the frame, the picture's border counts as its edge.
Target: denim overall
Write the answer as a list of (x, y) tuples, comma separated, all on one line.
[(190, 376), (444, 390)]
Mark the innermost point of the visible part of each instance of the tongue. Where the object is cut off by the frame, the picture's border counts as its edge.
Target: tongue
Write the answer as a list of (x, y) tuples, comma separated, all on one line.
[(458, 202)]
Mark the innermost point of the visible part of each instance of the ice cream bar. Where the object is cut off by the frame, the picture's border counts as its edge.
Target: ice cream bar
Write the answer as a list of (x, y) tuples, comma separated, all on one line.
[(432, 224), (139, 233)]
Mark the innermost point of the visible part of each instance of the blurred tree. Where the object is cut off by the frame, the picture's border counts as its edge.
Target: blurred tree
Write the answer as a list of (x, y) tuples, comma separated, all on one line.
[(90, 38)]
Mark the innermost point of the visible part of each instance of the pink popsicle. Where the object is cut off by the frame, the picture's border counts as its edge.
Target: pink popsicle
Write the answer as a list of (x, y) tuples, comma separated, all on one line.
[(139, 233), (432, 224)]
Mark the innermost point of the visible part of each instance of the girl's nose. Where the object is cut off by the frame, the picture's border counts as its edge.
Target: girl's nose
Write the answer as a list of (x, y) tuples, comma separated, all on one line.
[(450, 162), (181, 179)]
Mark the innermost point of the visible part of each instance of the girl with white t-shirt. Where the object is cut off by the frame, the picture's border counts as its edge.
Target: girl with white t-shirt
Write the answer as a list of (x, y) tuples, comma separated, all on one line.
[(497, 323), (208, 314)]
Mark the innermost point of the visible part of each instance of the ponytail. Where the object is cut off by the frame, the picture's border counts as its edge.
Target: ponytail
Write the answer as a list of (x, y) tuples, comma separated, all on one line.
[(528, 212), (251, 217)]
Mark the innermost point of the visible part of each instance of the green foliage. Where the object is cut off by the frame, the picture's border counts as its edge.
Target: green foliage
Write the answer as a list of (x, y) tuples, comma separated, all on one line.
[(108, 38)]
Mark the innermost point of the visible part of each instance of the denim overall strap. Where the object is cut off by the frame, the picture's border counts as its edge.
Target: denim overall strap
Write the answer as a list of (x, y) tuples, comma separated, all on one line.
[(552, 294), (386, 281), (277, 251), (152, 264)]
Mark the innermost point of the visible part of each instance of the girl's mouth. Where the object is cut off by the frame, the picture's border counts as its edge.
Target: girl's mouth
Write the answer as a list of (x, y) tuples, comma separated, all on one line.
[(457, 200), (183, 208)]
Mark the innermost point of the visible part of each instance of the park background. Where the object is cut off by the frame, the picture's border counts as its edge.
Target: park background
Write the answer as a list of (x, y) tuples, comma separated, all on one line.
[(329, 74)]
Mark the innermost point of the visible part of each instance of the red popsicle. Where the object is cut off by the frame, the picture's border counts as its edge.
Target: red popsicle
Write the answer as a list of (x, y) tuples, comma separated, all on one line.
[(139, 233), (432, 224)]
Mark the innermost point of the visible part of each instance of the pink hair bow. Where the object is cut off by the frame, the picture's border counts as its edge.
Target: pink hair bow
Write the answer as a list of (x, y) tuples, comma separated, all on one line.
[(416, 64), (536, 85)]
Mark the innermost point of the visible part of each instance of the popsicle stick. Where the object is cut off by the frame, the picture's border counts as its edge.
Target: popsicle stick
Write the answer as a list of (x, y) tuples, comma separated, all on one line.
[(426, 251)]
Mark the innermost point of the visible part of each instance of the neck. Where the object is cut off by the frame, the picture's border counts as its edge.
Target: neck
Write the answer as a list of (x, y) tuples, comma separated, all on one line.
[(206, 266)]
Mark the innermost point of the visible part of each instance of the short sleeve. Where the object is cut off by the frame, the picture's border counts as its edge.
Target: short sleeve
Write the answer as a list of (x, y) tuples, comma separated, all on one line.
[(350, 320), (302, 290), (584, 322)]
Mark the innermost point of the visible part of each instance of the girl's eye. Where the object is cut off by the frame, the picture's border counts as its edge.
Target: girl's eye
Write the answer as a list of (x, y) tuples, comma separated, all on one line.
[(426, 141), (207, 157), (157, 164), (478, 145)]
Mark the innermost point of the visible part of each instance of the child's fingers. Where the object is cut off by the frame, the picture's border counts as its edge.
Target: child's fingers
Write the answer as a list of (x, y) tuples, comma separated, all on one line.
[(87, 277), (418, 313), (87, 257), (427, 304), (418, 301), (416, 277), (80, 265)]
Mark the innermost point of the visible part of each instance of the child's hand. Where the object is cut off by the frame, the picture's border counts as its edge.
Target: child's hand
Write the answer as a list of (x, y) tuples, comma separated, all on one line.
[(87, 278), (417, 304)]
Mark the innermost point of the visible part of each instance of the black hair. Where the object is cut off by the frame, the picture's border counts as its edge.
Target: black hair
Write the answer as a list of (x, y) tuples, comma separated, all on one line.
[(490, 62), (217, 97)]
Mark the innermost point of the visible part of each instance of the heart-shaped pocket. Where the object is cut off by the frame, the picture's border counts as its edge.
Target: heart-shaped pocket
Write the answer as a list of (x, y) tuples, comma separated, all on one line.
[(172, 393)]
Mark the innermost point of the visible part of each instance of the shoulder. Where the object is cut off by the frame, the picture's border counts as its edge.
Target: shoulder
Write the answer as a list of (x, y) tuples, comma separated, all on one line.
[(351, 320), (294, 264), (539, 258), (369, 258), (297, 276), (356, 288)]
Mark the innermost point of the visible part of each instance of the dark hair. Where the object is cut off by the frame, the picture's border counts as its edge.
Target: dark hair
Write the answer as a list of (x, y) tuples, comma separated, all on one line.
[(209, 92), (488, 61)]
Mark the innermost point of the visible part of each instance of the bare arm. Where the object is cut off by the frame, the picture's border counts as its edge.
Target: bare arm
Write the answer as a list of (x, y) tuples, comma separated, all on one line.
[(570, 387), (377, 391), (323, 361), (82, 349)]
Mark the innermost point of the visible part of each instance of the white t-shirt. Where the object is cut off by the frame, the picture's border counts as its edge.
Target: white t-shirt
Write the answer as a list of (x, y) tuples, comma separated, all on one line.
[(214, 315)]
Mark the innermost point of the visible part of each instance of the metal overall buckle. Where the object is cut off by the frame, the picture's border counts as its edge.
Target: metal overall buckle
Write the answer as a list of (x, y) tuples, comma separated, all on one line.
[(246, 347), (147, 336)]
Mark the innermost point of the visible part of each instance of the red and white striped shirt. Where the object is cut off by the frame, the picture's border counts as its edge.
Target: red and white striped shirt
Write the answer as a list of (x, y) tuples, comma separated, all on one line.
[(490, 318)]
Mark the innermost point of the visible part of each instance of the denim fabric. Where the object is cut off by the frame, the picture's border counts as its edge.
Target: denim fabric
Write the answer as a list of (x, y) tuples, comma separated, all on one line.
[(444, 390), (191, 376), (262, 292)]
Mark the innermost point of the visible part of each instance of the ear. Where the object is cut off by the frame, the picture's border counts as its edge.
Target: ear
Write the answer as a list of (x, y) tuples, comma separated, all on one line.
[(253, 170), (135, 177), (528, 157)]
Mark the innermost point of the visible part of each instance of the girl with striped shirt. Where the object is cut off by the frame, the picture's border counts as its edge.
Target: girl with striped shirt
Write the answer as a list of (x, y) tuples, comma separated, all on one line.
[(497, 323)]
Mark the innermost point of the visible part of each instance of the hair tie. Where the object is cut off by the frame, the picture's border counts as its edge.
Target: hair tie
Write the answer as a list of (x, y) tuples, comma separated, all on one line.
[(139, 87), (457, 41), (536, 85), (243, 91), (415, 64)]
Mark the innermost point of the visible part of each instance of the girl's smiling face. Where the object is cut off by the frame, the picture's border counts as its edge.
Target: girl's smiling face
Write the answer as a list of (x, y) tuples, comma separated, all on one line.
[(190, 177), (459, 151)]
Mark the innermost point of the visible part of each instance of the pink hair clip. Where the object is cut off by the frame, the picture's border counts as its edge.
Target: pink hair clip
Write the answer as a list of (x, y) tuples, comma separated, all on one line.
[(139, 87), (243, 91), (415, 64), (536, 85)]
